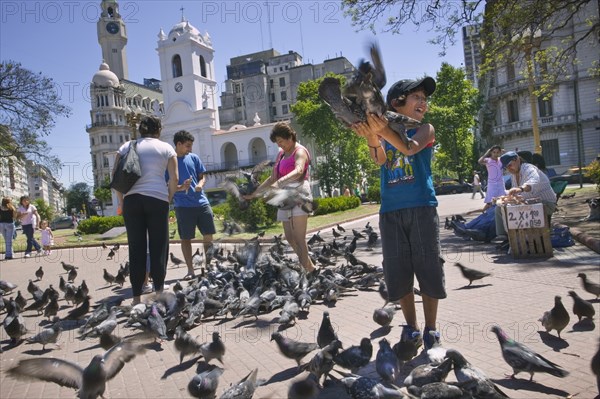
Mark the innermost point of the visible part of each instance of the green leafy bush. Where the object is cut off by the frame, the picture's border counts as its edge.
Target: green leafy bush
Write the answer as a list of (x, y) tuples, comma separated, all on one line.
[(335, 204), (258, 213), (100, 225), (593, 172), (374, 194)]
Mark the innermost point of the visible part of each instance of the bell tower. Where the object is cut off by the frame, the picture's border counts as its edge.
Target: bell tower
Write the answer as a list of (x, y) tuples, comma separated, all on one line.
[(112, 37), (188, 76)]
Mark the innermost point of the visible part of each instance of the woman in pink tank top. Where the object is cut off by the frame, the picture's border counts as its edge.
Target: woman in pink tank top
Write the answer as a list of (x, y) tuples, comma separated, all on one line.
[(291, 171)]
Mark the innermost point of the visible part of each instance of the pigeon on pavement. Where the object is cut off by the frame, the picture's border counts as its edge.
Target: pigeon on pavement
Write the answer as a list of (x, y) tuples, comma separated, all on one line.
[(589, 286), (47, 335), (471, 274), (306, 388), (214, 349), (437, 390), (581, 307), (175, 260), (472, 379), (205, 383), (521, 358), (407, 347), (557, 318), (91, 380), (355, 357), (326, 333), (14, 324), (67, 267), (369, 388), (293, 349), (427, 373), (386, 362), (244, 389), (322, 363), (39, 273)]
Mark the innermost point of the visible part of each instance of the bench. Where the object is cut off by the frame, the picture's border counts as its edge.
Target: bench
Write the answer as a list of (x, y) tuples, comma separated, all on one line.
[(558, 186)]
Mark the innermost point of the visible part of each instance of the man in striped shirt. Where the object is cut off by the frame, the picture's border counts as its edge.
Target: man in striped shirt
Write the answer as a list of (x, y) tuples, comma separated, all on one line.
[(527, 182)]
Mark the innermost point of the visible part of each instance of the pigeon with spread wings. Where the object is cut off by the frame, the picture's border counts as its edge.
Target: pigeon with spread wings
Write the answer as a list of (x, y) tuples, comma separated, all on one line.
[(362, 95)]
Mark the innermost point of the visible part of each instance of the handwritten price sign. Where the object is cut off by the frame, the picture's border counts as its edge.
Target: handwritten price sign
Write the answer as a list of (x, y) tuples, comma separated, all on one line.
[(525, 216)]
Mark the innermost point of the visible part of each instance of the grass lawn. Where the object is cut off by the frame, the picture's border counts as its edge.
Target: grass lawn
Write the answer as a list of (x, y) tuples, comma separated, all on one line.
[(67, 238)]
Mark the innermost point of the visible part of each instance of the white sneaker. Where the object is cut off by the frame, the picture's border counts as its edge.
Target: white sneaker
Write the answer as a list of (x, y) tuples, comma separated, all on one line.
[(27, 256), (148, 288), (39, 252)]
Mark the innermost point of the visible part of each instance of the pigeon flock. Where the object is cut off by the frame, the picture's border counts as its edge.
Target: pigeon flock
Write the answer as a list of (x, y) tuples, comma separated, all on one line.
[(256, 285)]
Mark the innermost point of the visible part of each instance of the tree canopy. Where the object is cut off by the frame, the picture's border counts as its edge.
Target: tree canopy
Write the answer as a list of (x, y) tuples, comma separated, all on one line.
[(452, 112), (509, 26), (29, 106), (345, 154), (78, 196)]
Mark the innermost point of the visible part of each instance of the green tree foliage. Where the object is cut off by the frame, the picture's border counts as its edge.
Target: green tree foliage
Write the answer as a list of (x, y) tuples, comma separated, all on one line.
[(77, 195), (103, 194), (44, 209), (29, 105), (507, 26), (452, 112), (346, 154)]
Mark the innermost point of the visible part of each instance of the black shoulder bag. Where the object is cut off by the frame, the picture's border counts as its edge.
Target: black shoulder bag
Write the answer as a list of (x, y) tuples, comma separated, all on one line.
[(128, 170)]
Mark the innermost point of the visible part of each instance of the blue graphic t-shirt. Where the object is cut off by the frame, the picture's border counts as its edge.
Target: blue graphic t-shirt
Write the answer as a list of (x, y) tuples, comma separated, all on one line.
[(189, 166), (406, 180)]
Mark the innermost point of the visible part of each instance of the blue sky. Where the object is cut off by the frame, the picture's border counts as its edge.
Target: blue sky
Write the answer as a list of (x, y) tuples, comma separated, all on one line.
[(59, 39)]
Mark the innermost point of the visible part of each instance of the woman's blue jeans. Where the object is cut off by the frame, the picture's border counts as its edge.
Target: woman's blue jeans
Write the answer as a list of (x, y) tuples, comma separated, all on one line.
[(31, 242)]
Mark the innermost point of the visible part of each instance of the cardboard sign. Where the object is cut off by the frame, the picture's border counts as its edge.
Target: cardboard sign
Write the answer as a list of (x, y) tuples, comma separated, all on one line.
[(525, 216)]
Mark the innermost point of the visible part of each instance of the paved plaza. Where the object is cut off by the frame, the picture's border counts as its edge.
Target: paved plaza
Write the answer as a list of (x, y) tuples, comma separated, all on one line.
[(514, 297)]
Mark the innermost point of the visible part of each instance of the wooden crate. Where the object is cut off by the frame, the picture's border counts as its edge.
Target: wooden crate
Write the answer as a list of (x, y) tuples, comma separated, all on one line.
[(528, 235)]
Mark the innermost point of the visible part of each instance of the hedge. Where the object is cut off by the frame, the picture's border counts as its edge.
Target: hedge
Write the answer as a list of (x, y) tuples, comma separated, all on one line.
[(100, 224), (336, 204)]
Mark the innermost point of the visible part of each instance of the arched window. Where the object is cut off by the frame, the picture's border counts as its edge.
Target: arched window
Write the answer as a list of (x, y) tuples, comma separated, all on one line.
[(176, 64), (202, 67)]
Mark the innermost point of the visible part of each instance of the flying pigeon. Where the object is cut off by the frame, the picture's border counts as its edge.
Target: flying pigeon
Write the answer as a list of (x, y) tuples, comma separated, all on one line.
[(362, 95), (244, 389), (185, 343), (521, 358), (383, 316), (91, 380)]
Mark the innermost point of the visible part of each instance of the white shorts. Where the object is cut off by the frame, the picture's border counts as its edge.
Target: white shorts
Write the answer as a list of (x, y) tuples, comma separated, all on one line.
[(284, 215)]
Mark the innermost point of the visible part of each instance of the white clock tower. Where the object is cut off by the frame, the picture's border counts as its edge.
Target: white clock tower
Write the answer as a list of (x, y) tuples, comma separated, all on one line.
[(189, 88), (112, 37)]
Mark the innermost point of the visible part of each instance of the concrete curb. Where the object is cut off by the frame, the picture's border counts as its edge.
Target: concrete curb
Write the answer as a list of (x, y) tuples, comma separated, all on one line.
[(581, 237)]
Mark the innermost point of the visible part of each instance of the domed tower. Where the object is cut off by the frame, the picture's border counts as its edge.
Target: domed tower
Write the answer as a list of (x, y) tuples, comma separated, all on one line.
[(112, 37), (109, 128), (189, 87)]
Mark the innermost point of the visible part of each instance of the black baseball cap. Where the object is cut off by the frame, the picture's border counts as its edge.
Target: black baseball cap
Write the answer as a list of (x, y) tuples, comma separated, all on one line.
[(405, 86)]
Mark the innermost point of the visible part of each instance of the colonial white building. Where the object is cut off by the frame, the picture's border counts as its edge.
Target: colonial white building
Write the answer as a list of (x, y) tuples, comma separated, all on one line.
[(569, 121)]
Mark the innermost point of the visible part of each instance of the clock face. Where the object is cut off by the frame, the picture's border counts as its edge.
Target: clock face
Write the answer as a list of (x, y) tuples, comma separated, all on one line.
[(112, 27), (178, 86)]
